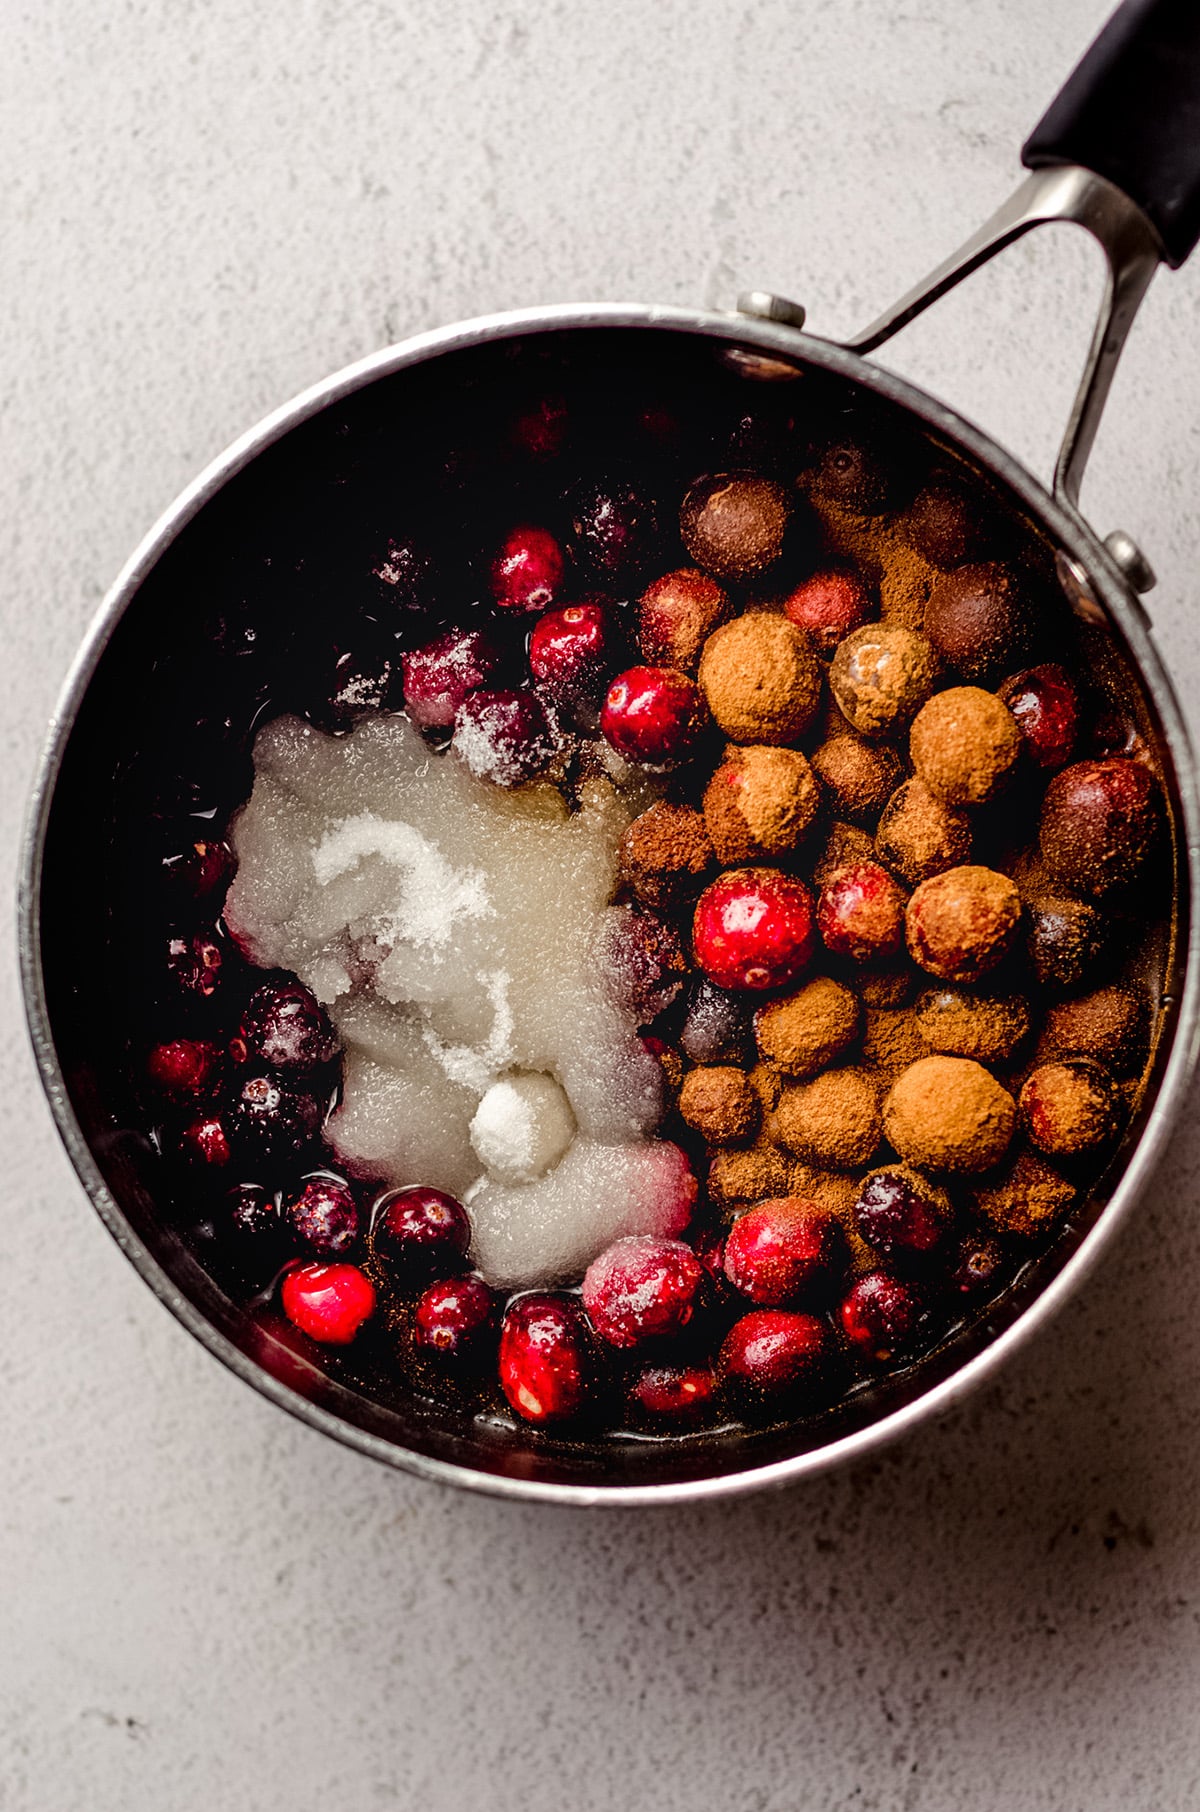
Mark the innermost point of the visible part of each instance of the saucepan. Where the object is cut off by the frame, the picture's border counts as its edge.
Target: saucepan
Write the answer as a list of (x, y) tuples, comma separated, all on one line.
[(1118, 153)]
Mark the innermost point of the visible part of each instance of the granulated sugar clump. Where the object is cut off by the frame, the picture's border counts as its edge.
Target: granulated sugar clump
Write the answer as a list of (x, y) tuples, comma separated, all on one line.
[(446, 925)]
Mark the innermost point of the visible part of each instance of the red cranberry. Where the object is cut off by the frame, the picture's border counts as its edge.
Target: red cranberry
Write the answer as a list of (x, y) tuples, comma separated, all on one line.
[(420, 1230), (569, 651), (754, 928), (677, 1394), (1100, 821), (860, 913), (879, 1315), (829, 605), (285, 1026), (206, 1141), (1046, 706), (976, 1266), (641, 961), (778, 1251), (453, 1317), (615, 528), (203, 868), (504, 737), (655, 716), (324, 1215), (527, 571), (363, 680), (329, 1303), (195, 963), (543, 1358), (273, 1119), (901, 1215), (773, 1353), (642, 1287), (440, 675), (184, 1069), (541, 430)]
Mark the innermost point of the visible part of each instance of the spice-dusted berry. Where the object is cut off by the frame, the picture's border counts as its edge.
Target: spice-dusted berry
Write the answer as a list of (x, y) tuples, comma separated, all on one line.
[(832, 1121), (988, 1028), (570, 652), (733, 523), (654, 716), (503, 736), (859, 777), (976, 1266), (880, 1316), (640, 960), (949, 1114), (273, 1118), (1110, 1026), (920, 835), (666, 854), (184, 1069), (417, 1231), (1100, 822), (880, 676), (964, 744), (944, 523), (206, 1141), (677, 615), (960, 924), (1068, 941), (829, 605), (902, 1215), (754, 928), (329, 1303), (771, 1357), (981, 620), (759, 803), (1026, 1198), (1070, 1107), (860, 913), (527, 569), (844, 843), (615, 528), (677, 1395), (544, 1358), (285, 1027), (717, 1026), (454, 1317), (807, 1031), (441, 674), (783, 1250), (324, 1215), (719, 1102), (1044, 702), (858, 471), (761, 678), (195, 963), (642, 1288), (202, 869)]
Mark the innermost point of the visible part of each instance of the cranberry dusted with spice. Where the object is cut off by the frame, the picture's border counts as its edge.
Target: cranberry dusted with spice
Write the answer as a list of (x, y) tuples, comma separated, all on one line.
[(678, 614), (829, 605), (901, 1214), (416, 1231), (860, 913), (1100, 822), (761, 678), (759, 803), (666, 854), (733, 523), (879, 1316), (442, 673), (571, 650), (614, 528), (544, 1358), (1070, 1108), (675, 1394), (454, 1318), (329, 1303), (981, 620), (273, 1119), (962, 923), (783, 1250), (964, 745), (654, 716), (195, 963), (772, 1356), (503, 736), (859, 472), (880, 676), (976, 1266), (184, 1069), (527, 569), (754, 928), (642, 1288), (1067, 941), (949, 1114), (324, 1215), (1045, 703), (285, 1026)]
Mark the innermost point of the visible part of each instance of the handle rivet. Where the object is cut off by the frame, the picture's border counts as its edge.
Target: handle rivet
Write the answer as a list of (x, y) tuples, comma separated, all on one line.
[(767, 307), (1132, 561)]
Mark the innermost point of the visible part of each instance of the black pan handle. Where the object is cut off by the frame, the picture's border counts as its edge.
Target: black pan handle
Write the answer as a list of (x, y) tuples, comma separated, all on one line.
[(1130, 112)]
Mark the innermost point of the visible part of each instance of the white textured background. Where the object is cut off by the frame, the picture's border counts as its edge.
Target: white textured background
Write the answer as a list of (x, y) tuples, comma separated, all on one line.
[(203, 1605)]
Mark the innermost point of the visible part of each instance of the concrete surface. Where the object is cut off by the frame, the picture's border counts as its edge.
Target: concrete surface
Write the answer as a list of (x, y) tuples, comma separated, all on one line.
[(206, 206)]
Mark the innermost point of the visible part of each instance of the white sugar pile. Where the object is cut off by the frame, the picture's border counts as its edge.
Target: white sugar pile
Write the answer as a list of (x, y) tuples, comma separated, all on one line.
[(446, 925)]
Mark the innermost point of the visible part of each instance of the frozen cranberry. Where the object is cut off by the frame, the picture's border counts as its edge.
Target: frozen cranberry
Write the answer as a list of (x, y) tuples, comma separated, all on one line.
[(420, 1231), (774, 1353), (205, 867), (754, 928), (1045, 703), (329, 1303), (655, 716), (1100, 821), (274, 1119), (253, 1214), (405, 572), (642, 1287), (195, 963), (324, 1215), (615, 528), (527, 571), (503, 736), (641, 961), (976, 1266), (544, 1358), (285, 1027), (541, 429), (780, 1250), (454, 1316), (829, 605), (860, 913), (364, 679), (675, 1394), (438, 676), (570, 650), (206, 1141), (184, 1069), (879, 1315), (901, 1215), (678, 613)]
